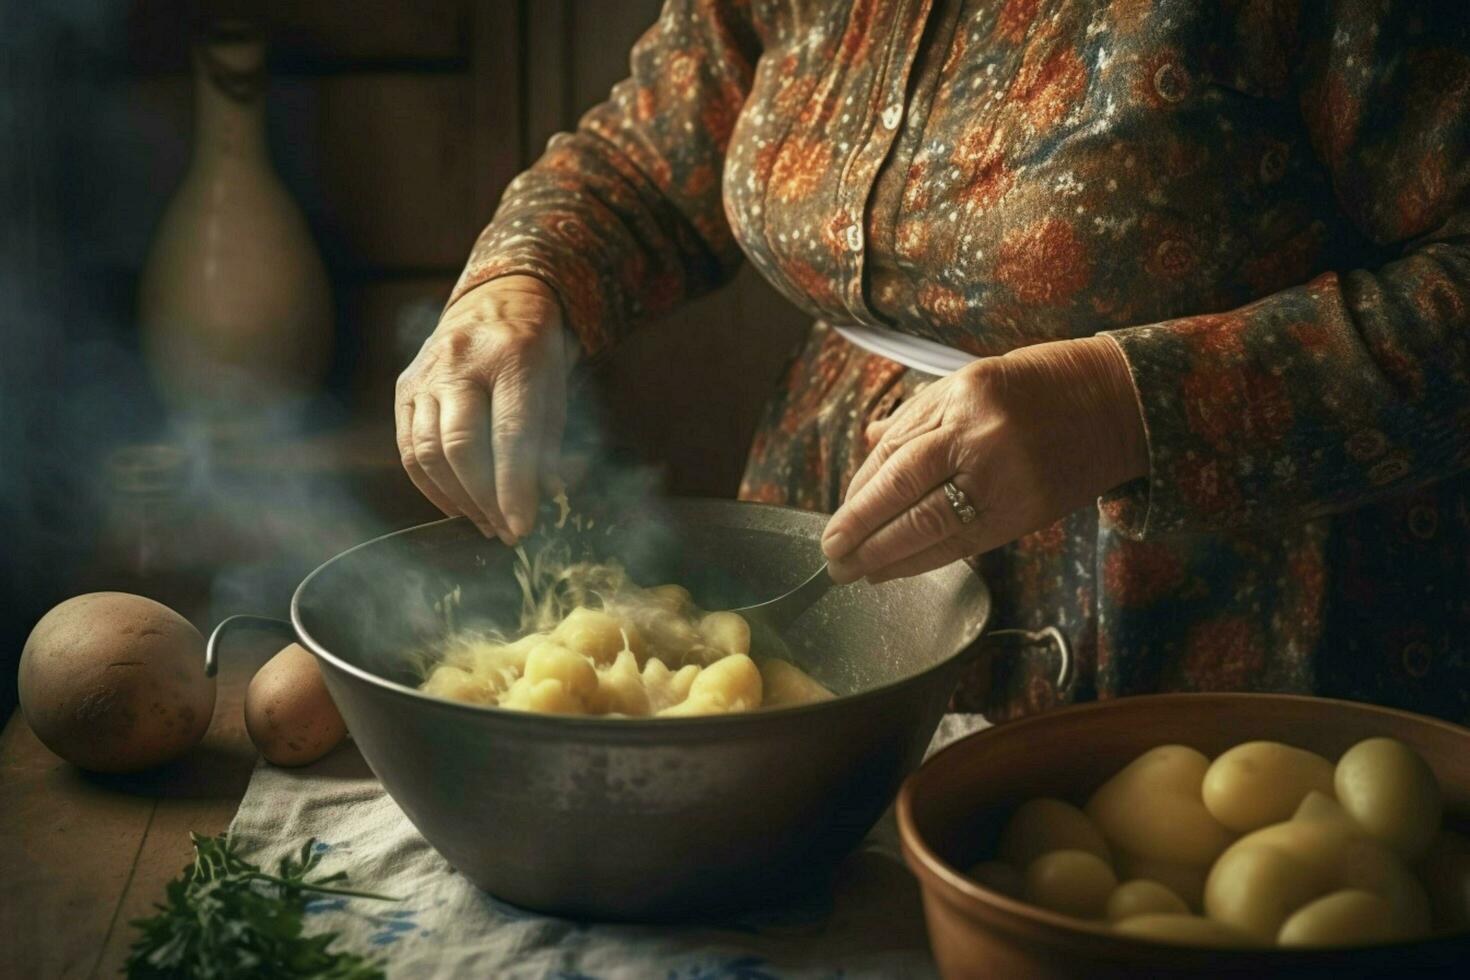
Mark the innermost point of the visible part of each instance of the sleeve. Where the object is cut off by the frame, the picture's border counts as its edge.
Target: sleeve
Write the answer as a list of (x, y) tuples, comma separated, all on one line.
[(624, 216), (1356, 385)]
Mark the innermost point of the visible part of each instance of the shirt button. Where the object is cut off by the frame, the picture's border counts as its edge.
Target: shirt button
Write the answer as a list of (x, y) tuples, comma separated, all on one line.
[(854, 237), (892, 115)]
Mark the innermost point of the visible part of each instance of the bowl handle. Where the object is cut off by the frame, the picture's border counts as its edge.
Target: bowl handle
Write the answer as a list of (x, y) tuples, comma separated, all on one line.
[(1057, 637), (230, 623)]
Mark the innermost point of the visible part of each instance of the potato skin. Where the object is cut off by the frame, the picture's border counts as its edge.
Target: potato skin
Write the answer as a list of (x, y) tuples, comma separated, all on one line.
[(114, 682), (289, 713)]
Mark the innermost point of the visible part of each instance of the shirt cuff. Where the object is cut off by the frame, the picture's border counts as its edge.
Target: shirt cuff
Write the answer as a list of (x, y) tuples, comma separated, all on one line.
[(584, 307)]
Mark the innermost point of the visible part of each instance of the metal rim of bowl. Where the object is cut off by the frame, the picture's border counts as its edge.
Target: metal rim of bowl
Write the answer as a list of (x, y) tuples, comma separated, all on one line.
[(638, 728), (958, 890)]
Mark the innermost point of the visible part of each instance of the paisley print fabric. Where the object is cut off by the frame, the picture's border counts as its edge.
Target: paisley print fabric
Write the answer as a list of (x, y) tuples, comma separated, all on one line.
[(1266, 204)]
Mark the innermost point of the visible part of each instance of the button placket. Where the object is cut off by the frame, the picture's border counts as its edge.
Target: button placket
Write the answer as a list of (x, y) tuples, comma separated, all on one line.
[(908, 23)]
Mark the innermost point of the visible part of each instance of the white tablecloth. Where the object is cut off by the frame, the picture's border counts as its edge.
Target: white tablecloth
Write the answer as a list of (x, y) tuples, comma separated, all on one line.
[(870, 926)]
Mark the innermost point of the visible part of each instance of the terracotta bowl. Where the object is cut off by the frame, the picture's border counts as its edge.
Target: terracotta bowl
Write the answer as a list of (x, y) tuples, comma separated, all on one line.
[(951, 810)]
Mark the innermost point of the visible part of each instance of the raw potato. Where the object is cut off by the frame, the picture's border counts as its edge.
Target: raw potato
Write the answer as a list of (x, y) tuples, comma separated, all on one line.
[(1153, 809), (999, 877), (1043, 825), (1255, 888), (1143, 897), (1391, 792), (1349, 917), (289, 713), (1185, 880), (114, 682), (1074, 883), (1445, 871), (1185, 930), (1257, 784)]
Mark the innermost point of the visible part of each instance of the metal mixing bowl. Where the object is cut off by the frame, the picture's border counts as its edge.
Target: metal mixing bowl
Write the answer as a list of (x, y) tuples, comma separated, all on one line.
[(642, 818)]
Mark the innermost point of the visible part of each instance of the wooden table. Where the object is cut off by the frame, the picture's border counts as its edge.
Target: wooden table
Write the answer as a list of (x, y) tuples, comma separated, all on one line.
[(83, 854)]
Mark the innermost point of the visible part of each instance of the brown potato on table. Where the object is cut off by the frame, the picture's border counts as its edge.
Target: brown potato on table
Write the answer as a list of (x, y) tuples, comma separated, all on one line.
[(114, 682), (289, 714)]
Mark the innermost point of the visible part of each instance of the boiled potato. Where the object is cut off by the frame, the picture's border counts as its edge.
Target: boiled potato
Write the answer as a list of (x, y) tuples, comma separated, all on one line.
[(674, 598), (1260, 783), (1043, 825), (1317, 843), (1319, 806), (1391, 792), (1368, 865), (1185, 880), (548, 696), (727, 632), (1349, 917), (729, 684), (1143, 897), (1445, 871), (1255, 888), (784, 683), (552, 662), (289, 714), (1075, 883), (1185, 930), (593, 633), (114, 682), (620, 688), (999, 877), (1153, 808), (455, 683)]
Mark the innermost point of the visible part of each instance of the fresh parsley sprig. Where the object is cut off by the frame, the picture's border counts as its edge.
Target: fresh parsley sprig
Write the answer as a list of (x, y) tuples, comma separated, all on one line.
[(225, 918)]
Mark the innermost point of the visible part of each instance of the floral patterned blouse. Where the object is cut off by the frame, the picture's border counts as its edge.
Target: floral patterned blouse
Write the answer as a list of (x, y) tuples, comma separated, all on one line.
[(1265, 203)]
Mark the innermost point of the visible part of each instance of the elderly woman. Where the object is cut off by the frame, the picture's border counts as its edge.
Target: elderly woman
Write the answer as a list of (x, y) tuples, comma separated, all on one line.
[(1195, 277)]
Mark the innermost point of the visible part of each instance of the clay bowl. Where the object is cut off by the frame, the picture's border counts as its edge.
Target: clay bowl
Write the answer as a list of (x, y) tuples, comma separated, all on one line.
[(951, 810)]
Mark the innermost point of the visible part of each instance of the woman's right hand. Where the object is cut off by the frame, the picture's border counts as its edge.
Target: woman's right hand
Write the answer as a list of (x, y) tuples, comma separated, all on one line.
[(481, 409)]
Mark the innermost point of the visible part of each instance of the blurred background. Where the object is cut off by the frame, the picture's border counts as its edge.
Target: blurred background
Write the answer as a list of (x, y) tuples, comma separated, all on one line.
[(394, 126)]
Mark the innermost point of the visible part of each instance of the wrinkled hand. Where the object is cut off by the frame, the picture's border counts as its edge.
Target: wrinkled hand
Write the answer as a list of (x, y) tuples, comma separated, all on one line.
[(1029, 437), (481, 410)]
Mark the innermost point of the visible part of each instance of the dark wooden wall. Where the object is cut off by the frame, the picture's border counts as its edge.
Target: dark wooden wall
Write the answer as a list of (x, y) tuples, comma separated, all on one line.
[(397, 124)]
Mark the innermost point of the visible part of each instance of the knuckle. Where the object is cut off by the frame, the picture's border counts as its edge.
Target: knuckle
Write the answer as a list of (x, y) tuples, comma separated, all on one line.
[(905, 484), (428, 454), (927, 522), (458, 447)]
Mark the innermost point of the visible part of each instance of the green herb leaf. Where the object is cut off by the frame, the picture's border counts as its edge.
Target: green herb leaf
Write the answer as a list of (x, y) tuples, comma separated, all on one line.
[(225, 918)]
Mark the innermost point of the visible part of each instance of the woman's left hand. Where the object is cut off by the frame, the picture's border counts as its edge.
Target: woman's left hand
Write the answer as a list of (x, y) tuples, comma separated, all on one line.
[(1028, 437)]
